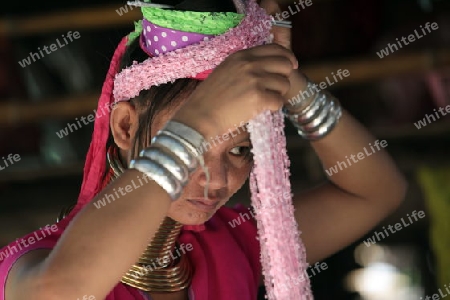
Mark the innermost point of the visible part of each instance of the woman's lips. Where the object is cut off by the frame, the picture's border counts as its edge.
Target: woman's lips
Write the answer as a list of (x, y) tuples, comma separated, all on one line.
[(204, 205)]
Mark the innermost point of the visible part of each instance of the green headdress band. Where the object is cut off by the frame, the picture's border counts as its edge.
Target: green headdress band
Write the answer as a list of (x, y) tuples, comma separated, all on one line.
[(191, 21), (211, 23), (136, 33)]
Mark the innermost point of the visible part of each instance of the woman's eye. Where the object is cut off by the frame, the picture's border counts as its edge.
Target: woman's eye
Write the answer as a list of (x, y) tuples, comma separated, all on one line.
[(243, 152), (240, 150)]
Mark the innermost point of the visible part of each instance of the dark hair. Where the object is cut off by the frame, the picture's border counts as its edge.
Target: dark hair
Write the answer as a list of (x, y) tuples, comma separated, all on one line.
[(150, 102)]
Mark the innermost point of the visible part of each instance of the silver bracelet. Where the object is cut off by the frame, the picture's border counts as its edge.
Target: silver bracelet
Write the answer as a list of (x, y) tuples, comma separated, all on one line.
[(311, 111), (168, 142), (189, 137), (173, 165), (296, 104), (159, 174), (172, 156), (334, 114), (317, 119)]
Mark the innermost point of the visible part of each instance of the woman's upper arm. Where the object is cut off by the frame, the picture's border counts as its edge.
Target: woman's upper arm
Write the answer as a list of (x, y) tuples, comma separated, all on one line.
[(331, 219), (22, 276)]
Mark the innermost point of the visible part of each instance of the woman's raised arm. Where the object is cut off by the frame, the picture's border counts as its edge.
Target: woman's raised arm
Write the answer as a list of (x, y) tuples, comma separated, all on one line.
[(96, 249)]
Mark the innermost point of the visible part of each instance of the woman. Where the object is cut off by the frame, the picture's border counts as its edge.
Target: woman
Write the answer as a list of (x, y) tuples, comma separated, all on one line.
[(168, 236)]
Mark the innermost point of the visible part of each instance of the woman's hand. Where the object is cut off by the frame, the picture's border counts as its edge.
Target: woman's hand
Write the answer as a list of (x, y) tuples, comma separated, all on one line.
[(281, 35), (245, 84)]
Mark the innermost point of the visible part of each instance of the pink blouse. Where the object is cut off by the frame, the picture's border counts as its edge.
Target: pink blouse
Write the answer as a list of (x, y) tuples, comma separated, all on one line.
[(224, 253)]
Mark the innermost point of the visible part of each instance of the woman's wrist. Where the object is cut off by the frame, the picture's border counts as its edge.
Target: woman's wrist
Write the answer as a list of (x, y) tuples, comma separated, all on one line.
[(174, 153), (313, 112), (299, 95)]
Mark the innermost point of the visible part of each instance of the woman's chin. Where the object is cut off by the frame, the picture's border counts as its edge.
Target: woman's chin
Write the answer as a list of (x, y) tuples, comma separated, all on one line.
[(188, 213), (191, 217)]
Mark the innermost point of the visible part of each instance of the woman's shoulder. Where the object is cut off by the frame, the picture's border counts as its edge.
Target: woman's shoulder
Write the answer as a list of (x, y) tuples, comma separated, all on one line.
[(43, 238)]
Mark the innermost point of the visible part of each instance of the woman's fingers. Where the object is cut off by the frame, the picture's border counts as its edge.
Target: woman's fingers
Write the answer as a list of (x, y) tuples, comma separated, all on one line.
[(275, 64), (245, 84), (270, 100), (274, 50), (274, 82)]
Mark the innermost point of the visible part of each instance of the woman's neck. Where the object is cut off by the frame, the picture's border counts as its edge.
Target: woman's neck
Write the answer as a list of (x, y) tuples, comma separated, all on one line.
[(162, 267)]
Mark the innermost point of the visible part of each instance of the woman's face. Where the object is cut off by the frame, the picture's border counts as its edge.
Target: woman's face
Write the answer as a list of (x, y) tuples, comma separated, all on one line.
[(228, 160)]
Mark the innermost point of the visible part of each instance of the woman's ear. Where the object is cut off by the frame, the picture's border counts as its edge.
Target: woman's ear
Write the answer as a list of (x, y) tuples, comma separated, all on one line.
[(124, 124)]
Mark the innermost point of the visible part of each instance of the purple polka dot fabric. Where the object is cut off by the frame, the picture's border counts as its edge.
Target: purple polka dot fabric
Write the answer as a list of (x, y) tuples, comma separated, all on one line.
[(156, 40)]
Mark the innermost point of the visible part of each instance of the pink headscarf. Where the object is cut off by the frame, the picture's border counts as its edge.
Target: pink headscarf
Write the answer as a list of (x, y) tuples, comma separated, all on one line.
[(238, 38)]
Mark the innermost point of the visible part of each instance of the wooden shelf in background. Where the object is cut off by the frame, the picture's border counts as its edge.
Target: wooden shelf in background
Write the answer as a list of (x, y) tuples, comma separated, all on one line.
[(21, 112), (396, 132), (409, 131), (85, 18), (41, 172), (369, 69), (361, 70)]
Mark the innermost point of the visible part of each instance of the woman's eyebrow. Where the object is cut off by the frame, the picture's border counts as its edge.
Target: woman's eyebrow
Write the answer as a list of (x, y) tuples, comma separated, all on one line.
[(241, 139)]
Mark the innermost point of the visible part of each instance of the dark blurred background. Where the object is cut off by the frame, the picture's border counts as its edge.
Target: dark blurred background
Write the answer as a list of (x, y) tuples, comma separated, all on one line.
[(389, 95)]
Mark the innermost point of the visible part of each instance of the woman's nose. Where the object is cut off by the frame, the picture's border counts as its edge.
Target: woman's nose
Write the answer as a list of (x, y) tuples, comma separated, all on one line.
[(217, 171)]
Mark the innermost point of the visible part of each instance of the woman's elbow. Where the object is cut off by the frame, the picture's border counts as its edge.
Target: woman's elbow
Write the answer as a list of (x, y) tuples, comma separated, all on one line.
[(397, 189), (46, 287)]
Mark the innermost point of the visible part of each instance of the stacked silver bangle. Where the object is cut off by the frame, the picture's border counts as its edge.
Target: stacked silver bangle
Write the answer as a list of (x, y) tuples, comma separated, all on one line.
[(316, 119), (172, 156)]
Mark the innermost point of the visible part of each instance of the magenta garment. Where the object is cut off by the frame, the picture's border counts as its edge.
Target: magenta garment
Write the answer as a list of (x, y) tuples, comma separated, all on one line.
[(225, 259)]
